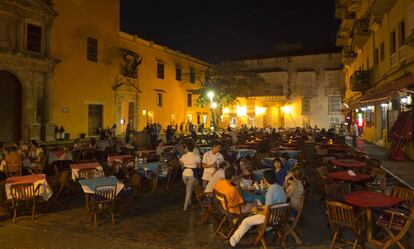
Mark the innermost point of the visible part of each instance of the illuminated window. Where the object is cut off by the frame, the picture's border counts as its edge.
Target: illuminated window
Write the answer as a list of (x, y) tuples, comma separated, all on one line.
[(334, 104), (306, 106)]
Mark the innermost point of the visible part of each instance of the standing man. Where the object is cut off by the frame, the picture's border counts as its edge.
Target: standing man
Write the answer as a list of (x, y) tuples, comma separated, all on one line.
[(354, 133), (211, 161)]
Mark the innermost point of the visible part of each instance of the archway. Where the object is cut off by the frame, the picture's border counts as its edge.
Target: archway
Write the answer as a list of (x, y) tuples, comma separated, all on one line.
[(10, 107)]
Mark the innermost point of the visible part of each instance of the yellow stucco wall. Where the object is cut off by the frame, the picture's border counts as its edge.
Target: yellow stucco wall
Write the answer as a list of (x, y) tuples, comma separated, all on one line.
[(392, 67), (174, 92), (78, 82)]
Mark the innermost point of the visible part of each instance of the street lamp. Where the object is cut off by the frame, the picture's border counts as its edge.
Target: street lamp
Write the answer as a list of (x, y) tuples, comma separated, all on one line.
[(213, 105)]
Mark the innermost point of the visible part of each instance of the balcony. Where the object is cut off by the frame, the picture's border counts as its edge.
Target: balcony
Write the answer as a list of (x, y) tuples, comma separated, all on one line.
[(340, 40), (348, 54), (380, 7), (348, 21), (339, 9), (361, 33), (361, 81)]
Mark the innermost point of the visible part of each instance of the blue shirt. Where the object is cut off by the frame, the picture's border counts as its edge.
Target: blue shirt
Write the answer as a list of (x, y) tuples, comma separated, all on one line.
[(288, 164), (275, 195), (280, 176)]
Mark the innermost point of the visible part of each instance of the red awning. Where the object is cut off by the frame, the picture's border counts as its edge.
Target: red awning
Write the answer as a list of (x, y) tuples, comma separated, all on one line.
[(385, 93)]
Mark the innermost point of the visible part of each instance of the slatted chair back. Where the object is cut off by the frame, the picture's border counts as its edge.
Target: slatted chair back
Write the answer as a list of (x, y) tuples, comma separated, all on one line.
[(322, 171), (88, 173), (22, 191), (336, 191), (379, 182), (341, 214), (13, 164), (105, 193), (276, 215), (405, 194), (395, 238)]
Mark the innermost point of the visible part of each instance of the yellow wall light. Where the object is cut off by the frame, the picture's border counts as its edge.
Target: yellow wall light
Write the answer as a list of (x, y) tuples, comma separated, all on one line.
[(287, 109), (259, 110), (241, 111)]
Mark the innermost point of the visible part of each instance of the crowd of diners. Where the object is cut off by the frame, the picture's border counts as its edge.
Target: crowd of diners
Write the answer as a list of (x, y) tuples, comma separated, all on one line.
[(255, 169)]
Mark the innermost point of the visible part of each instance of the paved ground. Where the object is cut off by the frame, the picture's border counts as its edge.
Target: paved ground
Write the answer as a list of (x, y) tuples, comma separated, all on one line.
[(156, 222)]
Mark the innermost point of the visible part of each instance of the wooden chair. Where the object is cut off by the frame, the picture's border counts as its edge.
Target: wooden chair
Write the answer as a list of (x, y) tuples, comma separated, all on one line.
[(205, 205), (405, 194), (275, 217), (396, 228), (13, 164), (127, 198), (63, 181), (336, 191), (88, 173), (167, 173), (322, 178), (293, 222), (103, 200), (23, 192), (379, 180), (343, 216), (232, 220)]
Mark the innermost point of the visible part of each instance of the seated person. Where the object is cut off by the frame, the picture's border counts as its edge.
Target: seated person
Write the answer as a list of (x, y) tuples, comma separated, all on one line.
[(279, 170), (218, 175), (294, 188), (245, 170), (227, 187), (288, 163), (274, 195)]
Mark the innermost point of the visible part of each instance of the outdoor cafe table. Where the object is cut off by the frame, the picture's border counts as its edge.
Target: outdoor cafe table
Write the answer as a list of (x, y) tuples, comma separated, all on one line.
[(243, 153), (368, 200), (89, 185), (45, 191), (348, 163), (268, 162), (59, 155), (346, 177), (204, 149), (78, 166), (291, 153), (121, 158), (147, 169)]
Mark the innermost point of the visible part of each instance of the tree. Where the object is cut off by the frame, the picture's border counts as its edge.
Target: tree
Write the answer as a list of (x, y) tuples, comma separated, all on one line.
[(228, 81)]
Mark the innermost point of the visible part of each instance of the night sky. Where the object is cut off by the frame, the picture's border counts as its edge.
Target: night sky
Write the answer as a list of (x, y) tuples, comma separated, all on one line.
[(217, 30)]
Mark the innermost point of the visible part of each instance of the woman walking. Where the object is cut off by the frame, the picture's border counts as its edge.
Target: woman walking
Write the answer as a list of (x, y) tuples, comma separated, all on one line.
[(191, 162)]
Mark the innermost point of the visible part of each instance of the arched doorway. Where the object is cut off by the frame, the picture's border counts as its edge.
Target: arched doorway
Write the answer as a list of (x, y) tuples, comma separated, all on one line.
[(10, 107)]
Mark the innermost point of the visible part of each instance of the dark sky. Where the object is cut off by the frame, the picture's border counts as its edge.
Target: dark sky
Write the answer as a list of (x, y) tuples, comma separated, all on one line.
[(216, 30)]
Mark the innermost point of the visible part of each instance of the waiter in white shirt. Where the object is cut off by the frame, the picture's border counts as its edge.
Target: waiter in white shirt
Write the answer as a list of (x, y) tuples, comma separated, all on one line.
[(211, 161)]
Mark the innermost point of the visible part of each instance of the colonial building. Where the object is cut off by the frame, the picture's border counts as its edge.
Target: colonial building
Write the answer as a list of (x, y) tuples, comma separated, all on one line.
[(304, 87), (66, 63), (378, 40)]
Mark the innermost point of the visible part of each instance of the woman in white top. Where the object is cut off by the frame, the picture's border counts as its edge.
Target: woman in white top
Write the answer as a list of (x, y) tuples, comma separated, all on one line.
[(190, 161)]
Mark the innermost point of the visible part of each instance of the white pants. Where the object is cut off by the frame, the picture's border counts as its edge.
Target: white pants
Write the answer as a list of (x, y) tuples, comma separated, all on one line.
[(189, 184), (246, 224)]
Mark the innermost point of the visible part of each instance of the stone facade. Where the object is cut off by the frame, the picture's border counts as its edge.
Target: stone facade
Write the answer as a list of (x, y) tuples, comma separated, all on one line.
[(308, 83), (33, 69)]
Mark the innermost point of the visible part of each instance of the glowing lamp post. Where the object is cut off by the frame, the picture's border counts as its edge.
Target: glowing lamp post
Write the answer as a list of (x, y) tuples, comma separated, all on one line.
[(213, 105)]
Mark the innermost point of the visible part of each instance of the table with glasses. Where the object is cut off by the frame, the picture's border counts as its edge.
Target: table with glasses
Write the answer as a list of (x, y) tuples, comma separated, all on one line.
[(59, 155), (78, 166), (243, 153), (346, 177), (89, 185), (368, 200), (44, 191), (348, 163)]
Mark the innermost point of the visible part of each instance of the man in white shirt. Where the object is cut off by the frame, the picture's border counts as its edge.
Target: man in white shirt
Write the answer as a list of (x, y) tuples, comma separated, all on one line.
[(218, 175), (211, 161)]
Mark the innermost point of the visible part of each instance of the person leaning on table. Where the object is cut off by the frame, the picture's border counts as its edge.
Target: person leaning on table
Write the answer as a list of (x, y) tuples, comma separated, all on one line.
[(274, 195)]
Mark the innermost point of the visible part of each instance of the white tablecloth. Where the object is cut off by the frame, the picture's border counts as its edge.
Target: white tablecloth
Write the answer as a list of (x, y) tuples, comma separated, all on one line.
[(45, 191)]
